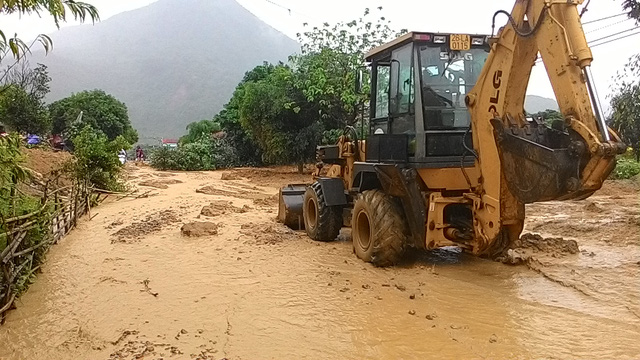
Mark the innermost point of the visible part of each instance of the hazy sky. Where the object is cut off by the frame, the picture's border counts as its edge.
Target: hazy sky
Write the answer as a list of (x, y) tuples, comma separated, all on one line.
[(470, 16)]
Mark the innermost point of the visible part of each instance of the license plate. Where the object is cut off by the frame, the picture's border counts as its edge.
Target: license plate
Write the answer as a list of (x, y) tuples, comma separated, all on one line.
[(460, 42)]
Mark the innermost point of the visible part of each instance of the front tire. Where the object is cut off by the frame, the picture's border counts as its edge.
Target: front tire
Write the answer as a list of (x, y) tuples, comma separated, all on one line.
[(378, 228), (322, 222)]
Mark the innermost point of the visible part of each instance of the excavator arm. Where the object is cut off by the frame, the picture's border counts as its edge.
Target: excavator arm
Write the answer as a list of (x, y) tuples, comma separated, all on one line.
[(523, 161)]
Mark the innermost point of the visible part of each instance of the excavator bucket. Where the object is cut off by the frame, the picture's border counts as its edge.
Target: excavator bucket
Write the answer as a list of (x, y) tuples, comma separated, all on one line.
[(290, 201), (538, 163)]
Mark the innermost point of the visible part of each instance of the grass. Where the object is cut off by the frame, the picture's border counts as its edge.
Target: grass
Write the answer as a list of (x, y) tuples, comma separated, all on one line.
[(626, 168)]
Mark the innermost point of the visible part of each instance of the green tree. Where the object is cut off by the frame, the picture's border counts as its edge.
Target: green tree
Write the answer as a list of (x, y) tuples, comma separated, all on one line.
[(625, 105), (60, 10), (330, 58), (100, 111), (199, 130), (97, 158), (276, 116), (248, 153), (548, 116), (22, 105), (286, 110), (633, 9)]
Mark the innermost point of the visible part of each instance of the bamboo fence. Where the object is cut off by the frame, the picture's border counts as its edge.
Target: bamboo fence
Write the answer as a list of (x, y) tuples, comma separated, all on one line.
[(20, 259)]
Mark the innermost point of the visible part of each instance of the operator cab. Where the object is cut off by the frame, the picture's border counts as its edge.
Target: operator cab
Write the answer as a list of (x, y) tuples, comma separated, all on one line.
[(418, 112)]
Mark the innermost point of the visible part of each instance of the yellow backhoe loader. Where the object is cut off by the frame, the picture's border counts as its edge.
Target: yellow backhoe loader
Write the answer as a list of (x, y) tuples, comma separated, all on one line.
[(450, 158)]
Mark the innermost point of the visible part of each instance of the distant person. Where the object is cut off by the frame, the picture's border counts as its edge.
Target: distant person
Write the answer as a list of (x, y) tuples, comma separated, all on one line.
[(57, 142), (139, 154), (3, 132), (122, 156)]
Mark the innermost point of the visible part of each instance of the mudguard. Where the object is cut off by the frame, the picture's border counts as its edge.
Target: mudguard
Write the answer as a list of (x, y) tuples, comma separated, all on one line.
[(333, 190), (403, 184)]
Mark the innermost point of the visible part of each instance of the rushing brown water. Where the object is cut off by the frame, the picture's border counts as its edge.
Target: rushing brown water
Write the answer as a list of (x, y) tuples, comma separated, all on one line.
[(128, 285)]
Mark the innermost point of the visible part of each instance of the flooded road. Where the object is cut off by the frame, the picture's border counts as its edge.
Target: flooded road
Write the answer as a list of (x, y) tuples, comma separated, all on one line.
[(129, 285)]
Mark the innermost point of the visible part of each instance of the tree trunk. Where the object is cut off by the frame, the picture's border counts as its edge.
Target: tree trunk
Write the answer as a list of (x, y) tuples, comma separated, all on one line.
[(300, 167)]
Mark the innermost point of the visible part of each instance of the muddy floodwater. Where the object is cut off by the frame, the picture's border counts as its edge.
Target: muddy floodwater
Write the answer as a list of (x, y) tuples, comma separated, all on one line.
[(129, 285)]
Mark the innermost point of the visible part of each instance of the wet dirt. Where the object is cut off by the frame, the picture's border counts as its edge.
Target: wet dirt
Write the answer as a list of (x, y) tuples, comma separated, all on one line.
[(533, 246), (258, 290), (230, 176), (228, 191), (160, 183), (45, 162), (138, 229), (222, 207), (199, 228)]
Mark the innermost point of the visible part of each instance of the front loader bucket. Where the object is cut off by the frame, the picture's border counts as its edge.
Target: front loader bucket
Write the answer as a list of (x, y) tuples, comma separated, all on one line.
[(290, 201), (538, 167)]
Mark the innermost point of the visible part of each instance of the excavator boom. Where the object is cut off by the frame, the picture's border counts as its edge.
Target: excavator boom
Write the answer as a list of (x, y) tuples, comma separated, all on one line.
[(524, 161)]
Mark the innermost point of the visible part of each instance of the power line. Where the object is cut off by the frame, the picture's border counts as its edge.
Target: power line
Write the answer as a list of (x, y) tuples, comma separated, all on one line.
[(604, 18), (615, 34), (607, 26), (616, 39), (592, 45), (278, 5), (291, 11)]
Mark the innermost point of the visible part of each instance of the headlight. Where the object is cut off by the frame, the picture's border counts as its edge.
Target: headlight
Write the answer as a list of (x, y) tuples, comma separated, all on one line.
[(477, 41)]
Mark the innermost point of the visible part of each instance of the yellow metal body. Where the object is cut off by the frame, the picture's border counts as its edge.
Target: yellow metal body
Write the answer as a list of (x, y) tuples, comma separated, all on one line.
[(500, 93), (555, 32)]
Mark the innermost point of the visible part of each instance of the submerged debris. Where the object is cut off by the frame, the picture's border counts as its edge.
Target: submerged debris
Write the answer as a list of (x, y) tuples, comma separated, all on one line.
[(152, 223), (147, 289), (230, 176), (529, 245), (267, 233), (200, 229), (221, 207), (160, 183)]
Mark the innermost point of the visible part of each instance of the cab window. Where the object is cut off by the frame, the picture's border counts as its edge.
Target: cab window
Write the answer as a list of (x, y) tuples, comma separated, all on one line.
[(382, 92), (401, 86)]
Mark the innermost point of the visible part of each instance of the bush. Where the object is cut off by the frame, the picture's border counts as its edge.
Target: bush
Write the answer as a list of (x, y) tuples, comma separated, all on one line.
[(626, 168), (164, 158), (97, 158), (15, 203), (330, 137), (204, 154)]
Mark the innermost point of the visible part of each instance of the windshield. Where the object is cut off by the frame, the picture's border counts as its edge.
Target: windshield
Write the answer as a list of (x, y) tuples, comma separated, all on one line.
[(447, 76)]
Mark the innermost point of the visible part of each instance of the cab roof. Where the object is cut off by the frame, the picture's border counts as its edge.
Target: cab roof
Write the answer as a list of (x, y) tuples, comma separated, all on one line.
[(384, 49)]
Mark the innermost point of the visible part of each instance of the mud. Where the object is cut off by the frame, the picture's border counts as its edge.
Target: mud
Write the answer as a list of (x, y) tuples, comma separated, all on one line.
[(222, 207), (533, 246), (274, 177), (230, 176), (160, 183), (45, 162), (267, 201), (152, 223), (200, 228), (258, 290), (267, 234), (228, 191)]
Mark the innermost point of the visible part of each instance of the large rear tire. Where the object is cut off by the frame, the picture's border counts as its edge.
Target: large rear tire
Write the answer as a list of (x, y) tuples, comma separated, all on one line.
[(378, 229), (322, 222)]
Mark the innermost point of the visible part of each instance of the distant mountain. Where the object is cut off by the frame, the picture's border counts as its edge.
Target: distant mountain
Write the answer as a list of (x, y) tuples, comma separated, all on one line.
[(172, 62), (534, 104)]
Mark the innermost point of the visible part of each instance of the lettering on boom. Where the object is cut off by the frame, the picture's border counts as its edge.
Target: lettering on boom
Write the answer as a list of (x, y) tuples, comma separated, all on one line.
[(497, 82)]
